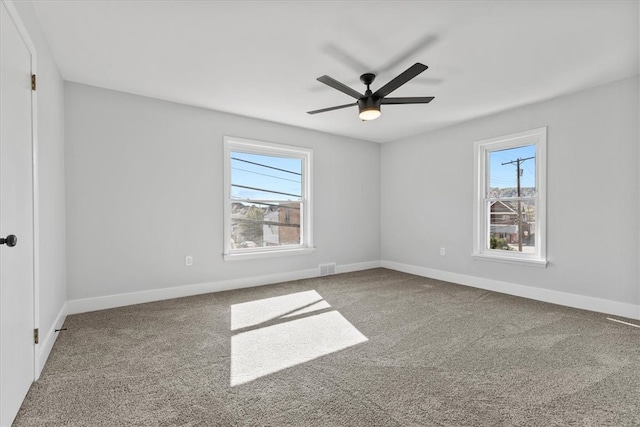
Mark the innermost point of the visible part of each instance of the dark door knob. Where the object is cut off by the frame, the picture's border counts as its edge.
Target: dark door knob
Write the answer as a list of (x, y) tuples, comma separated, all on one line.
[(10, 240)]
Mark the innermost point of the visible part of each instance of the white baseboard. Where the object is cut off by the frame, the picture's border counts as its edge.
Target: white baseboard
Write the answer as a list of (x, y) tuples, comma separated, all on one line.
[(46, 344), (120, 300), (630, 311), (348, 268), (599, 305)]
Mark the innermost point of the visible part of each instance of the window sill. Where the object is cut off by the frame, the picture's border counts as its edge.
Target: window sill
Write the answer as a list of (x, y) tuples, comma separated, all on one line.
[(237, 256), (532, 262)]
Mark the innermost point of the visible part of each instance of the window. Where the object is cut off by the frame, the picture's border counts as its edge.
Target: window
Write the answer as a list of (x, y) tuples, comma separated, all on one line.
[(267, 199), (510, 194)]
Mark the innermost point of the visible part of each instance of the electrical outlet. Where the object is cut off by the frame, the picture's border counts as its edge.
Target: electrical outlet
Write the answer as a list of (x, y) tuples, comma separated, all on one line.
[(442, 251), (188, 260)]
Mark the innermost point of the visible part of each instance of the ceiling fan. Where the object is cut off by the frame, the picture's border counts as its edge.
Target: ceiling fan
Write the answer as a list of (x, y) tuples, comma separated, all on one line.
[(369, 103)]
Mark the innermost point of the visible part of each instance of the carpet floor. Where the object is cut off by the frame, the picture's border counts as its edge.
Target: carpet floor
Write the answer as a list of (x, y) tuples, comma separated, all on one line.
[(370, 348)]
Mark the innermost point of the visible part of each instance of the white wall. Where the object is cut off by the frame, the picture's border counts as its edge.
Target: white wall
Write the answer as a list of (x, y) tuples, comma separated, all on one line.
[(50, 170), (144, 189), (592, 184)]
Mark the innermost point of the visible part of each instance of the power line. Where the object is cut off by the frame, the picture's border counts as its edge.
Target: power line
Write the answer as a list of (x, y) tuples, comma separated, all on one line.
[(502, 180), (266, 166), (265, 190), (264, 174), (529, 169)]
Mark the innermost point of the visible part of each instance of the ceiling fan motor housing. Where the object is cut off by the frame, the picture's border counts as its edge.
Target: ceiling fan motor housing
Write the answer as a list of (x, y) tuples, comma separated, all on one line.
[(369, 103)]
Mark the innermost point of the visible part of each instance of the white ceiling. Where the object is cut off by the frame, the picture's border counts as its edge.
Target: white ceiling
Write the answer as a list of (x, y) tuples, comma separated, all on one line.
[(261, 58)]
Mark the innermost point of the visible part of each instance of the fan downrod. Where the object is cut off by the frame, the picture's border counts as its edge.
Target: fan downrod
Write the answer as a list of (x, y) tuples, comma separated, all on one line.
[(367, 78)]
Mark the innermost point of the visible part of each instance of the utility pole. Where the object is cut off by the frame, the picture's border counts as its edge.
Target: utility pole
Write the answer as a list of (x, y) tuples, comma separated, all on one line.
[(519, 161)]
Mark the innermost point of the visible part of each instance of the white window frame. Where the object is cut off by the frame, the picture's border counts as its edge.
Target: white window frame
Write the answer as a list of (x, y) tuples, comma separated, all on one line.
[(232, 143), (481, 231)]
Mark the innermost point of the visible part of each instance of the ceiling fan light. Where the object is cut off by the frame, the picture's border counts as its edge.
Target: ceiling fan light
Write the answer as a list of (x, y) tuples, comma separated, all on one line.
[(369, 108), (370, 114)]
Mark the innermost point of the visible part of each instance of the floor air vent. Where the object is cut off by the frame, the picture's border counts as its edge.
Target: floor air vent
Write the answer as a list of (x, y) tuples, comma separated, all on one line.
[(326, 269)]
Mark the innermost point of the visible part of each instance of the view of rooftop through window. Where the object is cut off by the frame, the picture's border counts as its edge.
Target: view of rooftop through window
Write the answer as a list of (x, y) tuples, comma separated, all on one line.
[(511, 199), (266, 198)]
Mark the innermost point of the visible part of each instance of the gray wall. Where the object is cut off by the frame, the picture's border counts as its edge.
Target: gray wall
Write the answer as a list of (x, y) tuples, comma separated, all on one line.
[(144, 185), (144, 189), (592, 185), (52, 253)]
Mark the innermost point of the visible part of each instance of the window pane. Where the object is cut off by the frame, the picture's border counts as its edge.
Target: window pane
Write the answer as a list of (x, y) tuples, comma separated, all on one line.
[(265, 224), (262, 177), (504, 168), (504, 225)]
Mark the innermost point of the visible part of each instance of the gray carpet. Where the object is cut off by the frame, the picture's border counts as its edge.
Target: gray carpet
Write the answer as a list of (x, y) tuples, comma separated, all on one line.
[(377, 348)]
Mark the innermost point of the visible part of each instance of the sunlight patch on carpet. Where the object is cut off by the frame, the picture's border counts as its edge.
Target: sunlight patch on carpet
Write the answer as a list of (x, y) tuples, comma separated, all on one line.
[(279, 333), (255, 312)]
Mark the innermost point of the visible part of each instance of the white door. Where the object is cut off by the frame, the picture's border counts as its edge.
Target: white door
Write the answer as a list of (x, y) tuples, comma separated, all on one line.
[(16, 218)]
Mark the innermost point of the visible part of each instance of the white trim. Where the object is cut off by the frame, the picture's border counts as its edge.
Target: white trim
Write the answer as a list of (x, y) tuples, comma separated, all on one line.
[(46, 344), (537, 137), (232, 143), (35, 189), (237, 256), (22, 29), (623, 322), (35, 177), (120, 300), (583, 302), (348, 268), (533, 262)]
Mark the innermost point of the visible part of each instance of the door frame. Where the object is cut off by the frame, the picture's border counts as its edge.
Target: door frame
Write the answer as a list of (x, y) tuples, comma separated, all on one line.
[(35, 195)]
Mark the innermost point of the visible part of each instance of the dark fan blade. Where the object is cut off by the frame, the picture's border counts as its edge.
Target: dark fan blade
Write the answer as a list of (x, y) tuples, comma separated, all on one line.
[(331, 108), (329, 81), (404, 77), (408, 100)]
